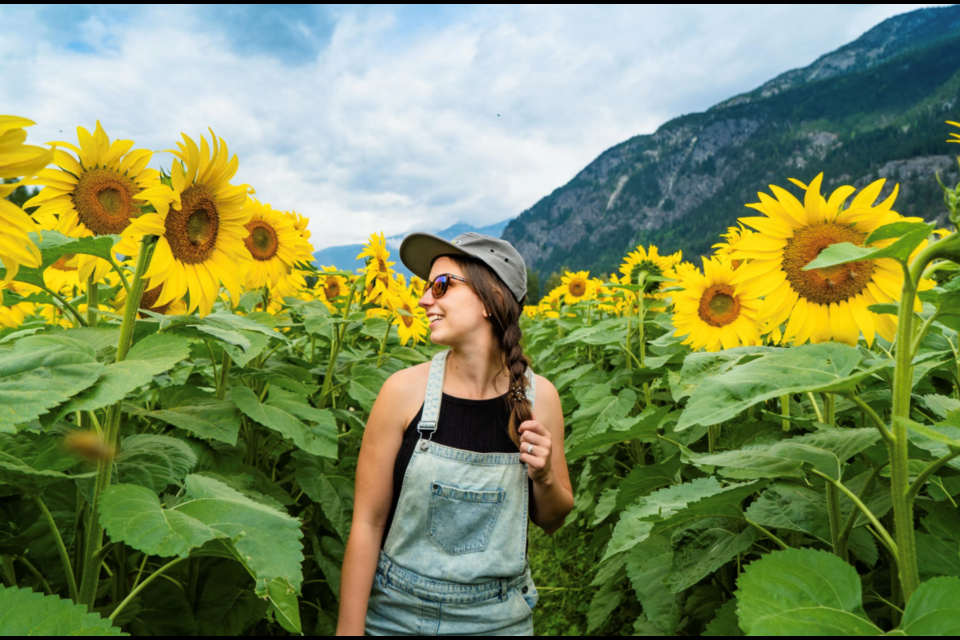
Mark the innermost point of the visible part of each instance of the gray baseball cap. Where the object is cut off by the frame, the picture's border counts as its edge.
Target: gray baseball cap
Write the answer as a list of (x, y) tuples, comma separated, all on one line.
[(419, 250)]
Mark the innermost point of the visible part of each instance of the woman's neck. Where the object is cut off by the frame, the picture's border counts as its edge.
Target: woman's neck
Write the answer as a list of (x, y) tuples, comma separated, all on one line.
[(477, 373)]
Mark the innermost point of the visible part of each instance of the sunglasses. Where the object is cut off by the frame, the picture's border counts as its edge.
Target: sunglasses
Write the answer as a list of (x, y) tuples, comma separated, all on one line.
[(442, 282)]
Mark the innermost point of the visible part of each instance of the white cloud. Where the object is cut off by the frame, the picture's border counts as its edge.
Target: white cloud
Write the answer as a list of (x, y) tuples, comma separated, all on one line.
[(393, 127)]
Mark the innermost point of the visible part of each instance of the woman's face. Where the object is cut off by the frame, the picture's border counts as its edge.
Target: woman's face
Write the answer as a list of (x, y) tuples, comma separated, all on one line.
[(458, 313)]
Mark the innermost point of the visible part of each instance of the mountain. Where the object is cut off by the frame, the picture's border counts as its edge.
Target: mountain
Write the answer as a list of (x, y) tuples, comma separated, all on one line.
[(874, 108), (345, 256)]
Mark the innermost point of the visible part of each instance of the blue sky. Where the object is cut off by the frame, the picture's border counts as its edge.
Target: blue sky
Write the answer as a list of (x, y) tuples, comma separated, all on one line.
[(397, 118)]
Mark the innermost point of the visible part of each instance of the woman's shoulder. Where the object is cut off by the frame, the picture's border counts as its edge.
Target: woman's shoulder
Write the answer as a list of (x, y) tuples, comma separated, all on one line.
[(409, 383)]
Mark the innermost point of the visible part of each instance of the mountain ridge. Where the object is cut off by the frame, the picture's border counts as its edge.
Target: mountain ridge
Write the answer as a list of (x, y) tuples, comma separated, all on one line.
[(873, 108)]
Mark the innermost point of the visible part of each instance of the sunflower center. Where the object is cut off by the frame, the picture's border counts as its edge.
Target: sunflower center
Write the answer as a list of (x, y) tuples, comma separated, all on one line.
[(719, 306), (577, 288), (148, 301), (192, 232), (833, 284), (104, 200), (331, 289), (647, 268), (61, 264), (407, 320), (262, 241)]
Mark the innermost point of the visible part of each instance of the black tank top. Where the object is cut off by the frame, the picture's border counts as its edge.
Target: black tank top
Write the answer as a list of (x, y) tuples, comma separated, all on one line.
[(480, 426)]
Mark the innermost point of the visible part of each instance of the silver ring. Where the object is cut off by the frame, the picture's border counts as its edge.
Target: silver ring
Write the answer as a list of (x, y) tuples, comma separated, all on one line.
[(529, 448)]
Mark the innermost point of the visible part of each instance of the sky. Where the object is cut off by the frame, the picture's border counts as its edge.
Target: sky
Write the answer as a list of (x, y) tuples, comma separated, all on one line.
[(400, 118)]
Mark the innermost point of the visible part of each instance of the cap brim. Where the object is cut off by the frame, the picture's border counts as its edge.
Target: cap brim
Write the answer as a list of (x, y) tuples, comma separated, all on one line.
[(419, 250)]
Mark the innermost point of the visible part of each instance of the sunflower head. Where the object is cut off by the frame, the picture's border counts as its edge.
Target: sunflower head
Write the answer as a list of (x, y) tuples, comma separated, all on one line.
[(821, 304), (714, 313), (954, 137), (642, 264), (577, 286)]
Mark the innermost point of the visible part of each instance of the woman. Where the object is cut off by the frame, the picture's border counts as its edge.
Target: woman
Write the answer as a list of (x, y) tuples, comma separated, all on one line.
[(454, 459)]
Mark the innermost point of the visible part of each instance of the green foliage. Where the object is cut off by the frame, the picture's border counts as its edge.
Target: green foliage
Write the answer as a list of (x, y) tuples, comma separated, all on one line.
[(24, 613)]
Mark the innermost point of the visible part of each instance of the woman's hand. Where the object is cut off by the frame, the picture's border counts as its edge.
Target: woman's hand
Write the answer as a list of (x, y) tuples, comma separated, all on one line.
[(539, 459)]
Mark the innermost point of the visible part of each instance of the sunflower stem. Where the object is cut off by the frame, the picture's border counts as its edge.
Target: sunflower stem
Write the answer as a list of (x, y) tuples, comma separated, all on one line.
[(785, 411), (61, 548), (816, 407), (93, 302), (91, 567), (883, 534), (67, 305), (224, 376), (119, 270), (335, 348), (156, 574), (383, 343), (852, 518), (836, 524)]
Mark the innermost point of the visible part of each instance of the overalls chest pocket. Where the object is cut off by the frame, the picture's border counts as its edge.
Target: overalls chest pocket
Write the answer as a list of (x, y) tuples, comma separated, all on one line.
[(461, 520)]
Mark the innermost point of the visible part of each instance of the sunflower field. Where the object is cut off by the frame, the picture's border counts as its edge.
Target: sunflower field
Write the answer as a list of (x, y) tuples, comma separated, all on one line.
[(767, 443)]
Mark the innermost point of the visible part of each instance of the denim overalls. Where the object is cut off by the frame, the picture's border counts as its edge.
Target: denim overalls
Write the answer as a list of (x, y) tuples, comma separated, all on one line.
[(455, 559)]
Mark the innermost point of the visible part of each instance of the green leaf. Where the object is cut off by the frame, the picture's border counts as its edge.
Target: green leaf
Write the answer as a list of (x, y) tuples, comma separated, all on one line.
[(604, 603), (726, 624), (913, 234), (282, 417), (56, 245), (936, 557), (702, 547), (199, 413), (266, 541), (934, 609), (943, 406), (946, 435), (647, 564), (827, 367), (40, 373), (163, 611), (284, 605), (793, 507), (228, 605), (645, 427), (802, 592), (154, 462), (333, 493), (605, 413), (25, 613), (364, 385), (30, 461), (243, 357), (225, 336), (698, 367), (642, 481)]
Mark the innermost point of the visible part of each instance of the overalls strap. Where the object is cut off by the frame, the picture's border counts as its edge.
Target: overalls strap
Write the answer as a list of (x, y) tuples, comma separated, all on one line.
[(431, 402)]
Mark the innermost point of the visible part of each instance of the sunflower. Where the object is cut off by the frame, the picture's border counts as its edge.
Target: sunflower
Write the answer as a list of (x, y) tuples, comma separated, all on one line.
[(577, 286), (410, 318), (331, 288), (13, 316), (97, 193), (273, 246), (733, 236), (200, 221), (379, 275), (64, 275), (955, 137), (712, 312), (17, 160), (822, 304), (642, 263), (607, 299), (942, 233), (531, 311)]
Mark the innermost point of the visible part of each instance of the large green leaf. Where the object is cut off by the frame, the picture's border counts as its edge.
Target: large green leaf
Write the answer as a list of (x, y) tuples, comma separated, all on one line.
[(642, 481), (933, 610), (56, 245), (824, 451), (154, 462), (802, 592), (638, 521), (698, 367), (152, 356), (30, 461), (643, 426), (284, 417), (334, 493), (25, 613), (702, 547), (911, 236), (647, 564), (364, 385), (726, 624), (162, 610), (816, 367), (284, 605), (40, 373), (200, 413), (266, 541), (228, 605)]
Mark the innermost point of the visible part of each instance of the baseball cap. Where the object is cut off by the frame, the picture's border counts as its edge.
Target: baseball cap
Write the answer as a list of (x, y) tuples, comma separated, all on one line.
[(419, 250)]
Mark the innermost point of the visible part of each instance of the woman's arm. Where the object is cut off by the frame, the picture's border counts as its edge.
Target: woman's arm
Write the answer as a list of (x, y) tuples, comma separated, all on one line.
[(374, 494), (547, 464)]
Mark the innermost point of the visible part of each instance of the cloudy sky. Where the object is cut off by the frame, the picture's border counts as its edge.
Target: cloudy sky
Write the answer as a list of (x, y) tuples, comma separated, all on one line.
[(400, 118)]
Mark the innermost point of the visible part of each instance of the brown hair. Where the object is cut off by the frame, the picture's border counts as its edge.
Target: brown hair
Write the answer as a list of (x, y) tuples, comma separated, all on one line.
[(504, 316)]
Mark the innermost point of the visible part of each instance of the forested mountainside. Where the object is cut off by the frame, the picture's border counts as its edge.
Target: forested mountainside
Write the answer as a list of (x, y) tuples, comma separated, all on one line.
[(874, 108)]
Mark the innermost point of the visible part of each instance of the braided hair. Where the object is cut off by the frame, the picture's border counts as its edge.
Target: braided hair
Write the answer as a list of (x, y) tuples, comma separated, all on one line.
[(504, 316)]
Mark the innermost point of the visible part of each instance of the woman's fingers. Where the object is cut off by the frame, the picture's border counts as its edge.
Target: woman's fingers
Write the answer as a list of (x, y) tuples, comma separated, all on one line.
[(532, 425), (529, 437)]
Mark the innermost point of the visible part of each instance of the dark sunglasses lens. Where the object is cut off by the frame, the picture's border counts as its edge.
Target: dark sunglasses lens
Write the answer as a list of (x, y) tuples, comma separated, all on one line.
[(440, 286)]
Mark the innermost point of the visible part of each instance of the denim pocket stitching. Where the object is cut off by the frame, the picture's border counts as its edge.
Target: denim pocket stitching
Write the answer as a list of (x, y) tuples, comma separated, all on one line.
[(440, 491)]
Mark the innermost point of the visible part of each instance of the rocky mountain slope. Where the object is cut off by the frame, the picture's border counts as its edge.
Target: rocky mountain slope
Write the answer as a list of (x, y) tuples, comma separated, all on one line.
[(874, 108)]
